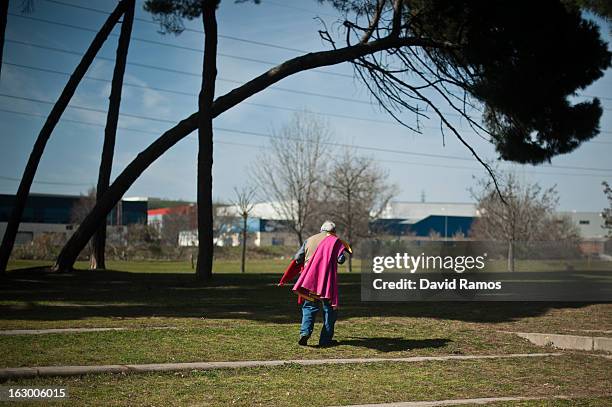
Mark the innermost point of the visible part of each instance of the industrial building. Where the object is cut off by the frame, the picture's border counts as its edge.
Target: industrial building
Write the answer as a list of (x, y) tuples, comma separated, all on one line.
[(267, 226), (590, 224), (425, 219), (47, 213), (156, 217)]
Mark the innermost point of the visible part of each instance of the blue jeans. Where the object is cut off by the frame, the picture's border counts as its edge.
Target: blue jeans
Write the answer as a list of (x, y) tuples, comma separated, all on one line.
[(309, 313)]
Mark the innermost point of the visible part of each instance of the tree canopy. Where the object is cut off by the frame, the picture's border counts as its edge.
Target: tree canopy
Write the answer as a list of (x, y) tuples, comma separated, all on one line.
[(520, 61), (170, 13)]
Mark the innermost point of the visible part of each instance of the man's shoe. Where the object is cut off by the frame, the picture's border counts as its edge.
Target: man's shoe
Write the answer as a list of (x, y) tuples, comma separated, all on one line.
[(303, 340)]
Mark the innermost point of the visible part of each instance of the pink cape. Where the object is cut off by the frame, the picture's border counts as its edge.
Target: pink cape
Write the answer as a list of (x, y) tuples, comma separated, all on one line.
[(319, 280)]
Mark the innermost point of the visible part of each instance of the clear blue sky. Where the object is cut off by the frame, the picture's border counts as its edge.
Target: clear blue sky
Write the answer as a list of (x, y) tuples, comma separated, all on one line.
[(71, 161)]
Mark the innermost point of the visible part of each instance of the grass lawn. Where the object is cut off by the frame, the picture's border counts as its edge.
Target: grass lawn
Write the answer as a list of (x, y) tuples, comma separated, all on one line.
[(247, 317), (224, 266), (575, 375)]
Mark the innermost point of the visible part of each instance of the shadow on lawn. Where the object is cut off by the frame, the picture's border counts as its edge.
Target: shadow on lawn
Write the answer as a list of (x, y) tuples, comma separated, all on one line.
[(394, 344), (37, 294)]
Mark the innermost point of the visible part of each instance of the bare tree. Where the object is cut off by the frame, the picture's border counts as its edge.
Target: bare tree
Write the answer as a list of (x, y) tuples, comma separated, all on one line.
[(472, 55), (528, 214), (97, 261), (244, 202), (172, 224), (290, 172), (356, 192), (81, 208), (45, 133)]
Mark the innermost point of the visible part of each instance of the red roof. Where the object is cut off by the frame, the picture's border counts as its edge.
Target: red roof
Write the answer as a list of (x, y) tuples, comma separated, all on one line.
[(158, 211), (183, 209)]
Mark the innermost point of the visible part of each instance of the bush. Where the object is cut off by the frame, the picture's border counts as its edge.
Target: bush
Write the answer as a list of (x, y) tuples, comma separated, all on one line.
[(43, 247)]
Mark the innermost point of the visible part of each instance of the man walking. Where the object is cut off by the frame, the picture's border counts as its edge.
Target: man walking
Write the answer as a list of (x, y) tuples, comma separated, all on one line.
[(317, 286)]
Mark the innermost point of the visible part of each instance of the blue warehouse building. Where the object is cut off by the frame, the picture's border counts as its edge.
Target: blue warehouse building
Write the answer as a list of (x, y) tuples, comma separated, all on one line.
[(48, 213), (444, 220), (425, 219)]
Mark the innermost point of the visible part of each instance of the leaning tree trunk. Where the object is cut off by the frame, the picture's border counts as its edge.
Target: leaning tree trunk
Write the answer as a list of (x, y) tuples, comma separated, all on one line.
[(110, 131), (45, 133), (3, 18), (168, 139), (244, 245), (205, 143)]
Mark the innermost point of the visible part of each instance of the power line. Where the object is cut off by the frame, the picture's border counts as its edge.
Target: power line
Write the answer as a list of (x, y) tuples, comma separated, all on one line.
[(257, 134), (77, 121), (93, 78), (262, 105), (481, 168), (296, 91), (171, 91), (222, 129), (199, 75), (47, 182), (182, 47), (304, 10), (435, 165), (333, 144), (265, 44), (395, 151), (143, 20), (86, 123), (88, 109), (269, 63)]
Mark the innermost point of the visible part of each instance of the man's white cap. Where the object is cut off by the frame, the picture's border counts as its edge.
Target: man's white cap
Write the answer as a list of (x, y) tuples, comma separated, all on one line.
[(328, 226)]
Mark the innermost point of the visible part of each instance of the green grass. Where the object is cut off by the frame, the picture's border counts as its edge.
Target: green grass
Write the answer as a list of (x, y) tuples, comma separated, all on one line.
[(247, 317), (278, 265), (242, 341), (349, 384), (157, 266)]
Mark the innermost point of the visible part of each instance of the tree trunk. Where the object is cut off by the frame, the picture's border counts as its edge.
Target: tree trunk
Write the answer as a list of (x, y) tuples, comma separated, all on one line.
[(97, 261), (511, 256), (349, 231), (205, 143), (3, 18), (244, 245), (45, 133), (168, 139), (349, 238)]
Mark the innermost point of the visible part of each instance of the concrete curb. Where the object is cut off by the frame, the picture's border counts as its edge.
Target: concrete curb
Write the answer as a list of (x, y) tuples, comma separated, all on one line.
[(46, 371), (11, 332), (588, 343), (484, 400)]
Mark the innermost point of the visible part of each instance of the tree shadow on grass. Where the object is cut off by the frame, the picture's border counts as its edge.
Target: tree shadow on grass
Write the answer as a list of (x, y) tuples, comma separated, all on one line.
[(38, 294), (386, 344)]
